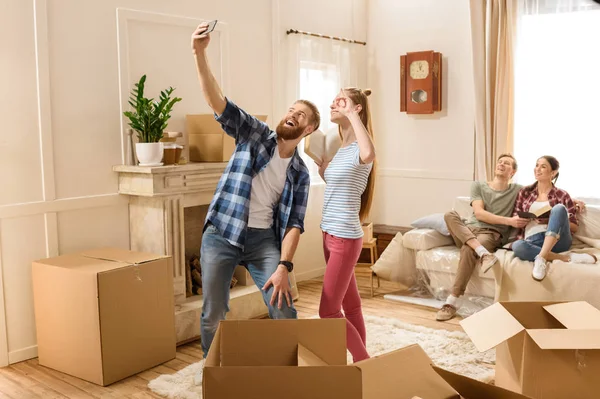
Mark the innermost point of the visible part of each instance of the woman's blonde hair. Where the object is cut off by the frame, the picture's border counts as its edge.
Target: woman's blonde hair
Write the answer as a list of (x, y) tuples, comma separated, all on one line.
[(359, 96)]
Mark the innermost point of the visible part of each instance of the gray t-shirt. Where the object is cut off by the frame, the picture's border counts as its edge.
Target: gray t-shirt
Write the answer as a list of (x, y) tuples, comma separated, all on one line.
[(499, 203)]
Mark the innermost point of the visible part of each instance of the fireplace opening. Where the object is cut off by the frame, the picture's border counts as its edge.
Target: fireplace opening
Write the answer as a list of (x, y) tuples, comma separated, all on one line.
[(193, 223), (194, 217)]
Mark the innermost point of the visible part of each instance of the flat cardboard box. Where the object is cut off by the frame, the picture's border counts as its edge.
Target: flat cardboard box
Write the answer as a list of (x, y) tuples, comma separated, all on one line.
[(548, 350), (104, 315), (207, 142), (307, 359)]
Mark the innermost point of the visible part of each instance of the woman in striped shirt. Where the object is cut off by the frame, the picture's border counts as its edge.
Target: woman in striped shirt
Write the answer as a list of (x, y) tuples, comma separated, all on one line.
[(350, 180)]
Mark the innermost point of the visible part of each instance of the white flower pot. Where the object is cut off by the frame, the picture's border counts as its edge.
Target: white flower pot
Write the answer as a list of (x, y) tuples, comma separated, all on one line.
[(149, 154)]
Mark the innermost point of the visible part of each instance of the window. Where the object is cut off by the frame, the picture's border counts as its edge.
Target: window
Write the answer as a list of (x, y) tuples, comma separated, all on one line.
[(317, 68), (319, 83), (557, 93)]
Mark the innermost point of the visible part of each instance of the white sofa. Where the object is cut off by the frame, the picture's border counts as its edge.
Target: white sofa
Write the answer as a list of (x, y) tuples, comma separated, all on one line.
[(436, 259)]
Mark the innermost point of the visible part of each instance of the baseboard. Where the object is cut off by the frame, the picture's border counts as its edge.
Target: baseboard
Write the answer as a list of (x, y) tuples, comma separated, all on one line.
[(22, 354), (310, 274)]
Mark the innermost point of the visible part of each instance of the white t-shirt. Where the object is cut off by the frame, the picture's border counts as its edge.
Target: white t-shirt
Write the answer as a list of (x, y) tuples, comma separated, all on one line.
[(267, 187), (346, 180), (534, 227)]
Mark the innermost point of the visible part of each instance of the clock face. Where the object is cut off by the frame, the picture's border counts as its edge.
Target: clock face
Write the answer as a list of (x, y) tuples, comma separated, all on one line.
[(419, 69)]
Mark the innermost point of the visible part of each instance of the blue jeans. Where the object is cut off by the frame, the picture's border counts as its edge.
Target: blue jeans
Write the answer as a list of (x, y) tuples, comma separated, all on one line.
[(219, 259), (558, 226)]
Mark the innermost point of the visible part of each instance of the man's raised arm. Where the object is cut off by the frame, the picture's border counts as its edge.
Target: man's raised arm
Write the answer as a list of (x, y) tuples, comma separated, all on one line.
[(212, 92)]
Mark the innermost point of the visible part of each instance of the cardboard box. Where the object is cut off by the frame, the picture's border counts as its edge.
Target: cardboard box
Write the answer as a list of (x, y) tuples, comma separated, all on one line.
[(207, 142), (307, 359), (547, 350), (104, 315), (367, 229), (243, 276)]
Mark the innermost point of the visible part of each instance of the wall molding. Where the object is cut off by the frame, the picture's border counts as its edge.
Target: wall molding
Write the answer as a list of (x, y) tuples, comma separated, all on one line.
[(44, 110), (42, 60), (454, 175), (276, 30), (3, 330), (62, 205), (124, 15)]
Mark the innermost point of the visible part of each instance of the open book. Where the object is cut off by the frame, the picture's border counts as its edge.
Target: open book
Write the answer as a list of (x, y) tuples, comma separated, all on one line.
[(322, 146), (542, 213)]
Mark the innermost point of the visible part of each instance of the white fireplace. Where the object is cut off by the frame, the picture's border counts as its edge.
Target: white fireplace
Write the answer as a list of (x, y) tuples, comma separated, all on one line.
[(160, 197)]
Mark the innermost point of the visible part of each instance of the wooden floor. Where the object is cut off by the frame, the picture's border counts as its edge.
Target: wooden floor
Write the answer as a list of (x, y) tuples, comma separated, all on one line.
[(30, 380)]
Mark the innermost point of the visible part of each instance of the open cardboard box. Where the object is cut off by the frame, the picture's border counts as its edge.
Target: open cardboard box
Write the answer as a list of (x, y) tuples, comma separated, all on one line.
[(299, 359), (207, 140), (548, 350)]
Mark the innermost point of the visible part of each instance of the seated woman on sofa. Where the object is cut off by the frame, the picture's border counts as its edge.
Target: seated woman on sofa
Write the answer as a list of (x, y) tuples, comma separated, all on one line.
[(544, 238)]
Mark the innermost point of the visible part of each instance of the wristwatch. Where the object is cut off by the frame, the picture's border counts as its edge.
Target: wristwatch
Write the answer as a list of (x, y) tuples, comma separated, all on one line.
[(289, 265)]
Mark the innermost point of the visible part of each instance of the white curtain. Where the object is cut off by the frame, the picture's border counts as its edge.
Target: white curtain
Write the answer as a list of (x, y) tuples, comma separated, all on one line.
[(556, 91), (493, 24), (316, 70)]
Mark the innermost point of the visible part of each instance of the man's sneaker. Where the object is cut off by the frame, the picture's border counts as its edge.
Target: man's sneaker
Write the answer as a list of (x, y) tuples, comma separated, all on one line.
[(445, 313), (540, 268), (487, 261)]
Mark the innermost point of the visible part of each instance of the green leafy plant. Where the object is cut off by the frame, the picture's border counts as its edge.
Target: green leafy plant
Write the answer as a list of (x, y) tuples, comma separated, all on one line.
[(149, 117)]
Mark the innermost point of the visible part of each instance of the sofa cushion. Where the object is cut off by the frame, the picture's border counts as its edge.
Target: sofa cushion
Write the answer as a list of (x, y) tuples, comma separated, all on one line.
[(434, 221), (589, 222), (462, 206), (424, 239), (397, 263)]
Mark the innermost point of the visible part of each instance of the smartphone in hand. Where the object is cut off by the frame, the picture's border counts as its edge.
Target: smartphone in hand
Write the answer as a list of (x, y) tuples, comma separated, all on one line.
[(211, 27)]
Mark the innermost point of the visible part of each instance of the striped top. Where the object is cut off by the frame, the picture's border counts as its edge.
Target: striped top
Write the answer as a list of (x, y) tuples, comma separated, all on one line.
[(346, 180)]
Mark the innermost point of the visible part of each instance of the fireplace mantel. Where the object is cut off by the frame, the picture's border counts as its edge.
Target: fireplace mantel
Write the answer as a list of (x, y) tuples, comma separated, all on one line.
[(157, 198), (150, 181)]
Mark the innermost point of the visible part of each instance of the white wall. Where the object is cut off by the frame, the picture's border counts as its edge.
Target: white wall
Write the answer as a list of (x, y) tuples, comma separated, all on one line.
[(341, 18), (425, 161)]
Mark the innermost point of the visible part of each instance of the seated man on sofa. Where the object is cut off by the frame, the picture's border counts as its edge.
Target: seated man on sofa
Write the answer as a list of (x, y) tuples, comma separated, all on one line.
[(485, 231)]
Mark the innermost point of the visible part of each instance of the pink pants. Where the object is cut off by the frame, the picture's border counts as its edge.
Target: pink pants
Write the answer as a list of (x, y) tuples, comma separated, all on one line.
[(340, 291)]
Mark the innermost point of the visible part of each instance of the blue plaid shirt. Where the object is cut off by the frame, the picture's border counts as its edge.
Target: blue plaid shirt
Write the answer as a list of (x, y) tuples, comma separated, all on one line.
[(255, 145)]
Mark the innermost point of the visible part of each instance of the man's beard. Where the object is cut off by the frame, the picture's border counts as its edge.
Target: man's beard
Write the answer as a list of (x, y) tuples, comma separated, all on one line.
[(287, 132)]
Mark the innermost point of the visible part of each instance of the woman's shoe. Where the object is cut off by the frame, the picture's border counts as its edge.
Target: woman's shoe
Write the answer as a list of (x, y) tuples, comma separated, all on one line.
[(540, 268)]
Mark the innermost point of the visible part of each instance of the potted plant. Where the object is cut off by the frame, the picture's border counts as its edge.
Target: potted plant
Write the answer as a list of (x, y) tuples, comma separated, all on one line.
[(149, 120)]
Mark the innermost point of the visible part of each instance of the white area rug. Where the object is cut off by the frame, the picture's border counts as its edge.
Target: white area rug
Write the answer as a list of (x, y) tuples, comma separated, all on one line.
[(453, 351)]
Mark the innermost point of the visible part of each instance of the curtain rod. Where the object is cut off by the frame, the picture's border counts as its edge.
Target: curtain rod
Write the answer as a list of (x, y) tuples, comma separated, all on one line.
[(299, 32)]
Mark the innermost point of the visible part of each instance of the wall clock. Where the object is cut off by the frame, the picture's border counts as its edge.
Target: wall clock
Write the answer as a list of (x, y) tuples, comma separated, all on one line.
[(421, 82)]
